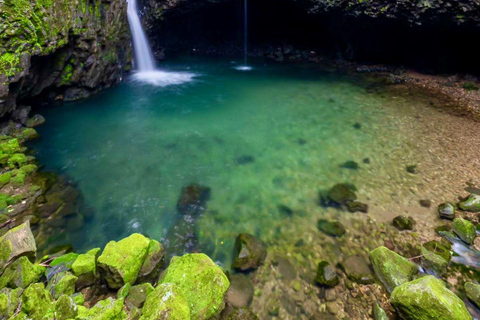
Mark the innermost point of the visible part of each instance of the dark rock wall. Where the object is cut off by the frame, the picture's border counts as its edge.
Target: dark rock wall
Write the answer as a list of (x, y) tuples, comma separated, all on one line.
[(61, 48)]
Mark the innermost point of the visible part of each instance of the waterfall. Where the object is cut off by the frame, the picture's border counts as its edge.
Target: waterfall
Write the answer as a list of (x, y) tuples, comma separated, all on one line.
[(245, 66), (144, 63)]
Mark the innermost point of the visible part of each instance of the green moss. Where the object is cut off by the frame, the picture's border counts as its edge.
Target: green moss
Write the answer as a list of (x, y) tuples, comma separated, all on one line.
[(37, 302), (67, 260), (167, 301), (21, 274), (65, 308), (5, 178), (28, 168), (9, 301), (465, 230), (469, 86), (65, 285), (108, 309), (17, 160)]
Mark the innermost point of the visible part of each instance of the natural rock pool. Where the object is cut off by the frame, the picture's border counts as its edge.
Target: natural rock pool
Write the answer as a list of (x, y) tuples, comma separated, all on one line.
[(265, 142)]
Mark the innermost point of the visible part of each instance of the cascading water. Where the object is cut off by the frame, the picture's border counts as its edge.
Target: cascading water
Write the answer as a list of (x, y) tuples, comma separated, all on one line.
[(146, 71), (245, 66)]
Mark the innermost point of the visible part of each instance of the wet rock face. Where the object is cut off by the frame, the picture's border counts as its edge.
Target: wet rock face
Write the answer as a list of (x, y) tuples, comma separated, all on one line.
[(76, 49)]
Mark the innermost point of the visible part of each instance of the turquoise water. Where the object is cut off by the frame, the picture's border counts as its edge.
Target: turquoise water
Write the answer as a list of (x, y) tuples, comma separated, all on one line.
[(270, 137)]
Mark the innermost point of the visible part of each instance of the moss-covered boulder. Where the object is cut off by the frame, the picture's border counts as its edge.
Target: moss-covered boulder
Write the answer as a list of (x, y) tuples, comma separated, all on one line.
[(122, 261), (433, 262), (166, 302), (17, 242), (326, 275), (341, 194), (137, 295), (446, 211), (108, 309), (202, 283), (427, 298), (152, 263), (249, 252), (21, 274), (332, 228), (65, 308), (391, 268), (378, 312), (9, 302), (403, 223), (472, 203), (472, 291), (464, 229), (37, 302), (85, 268), (62, 283)]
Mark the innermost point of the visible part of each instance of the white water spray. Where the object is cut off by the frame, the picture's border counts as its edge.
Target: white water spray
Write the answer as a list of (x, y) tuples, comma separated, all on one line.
[(146, 71)]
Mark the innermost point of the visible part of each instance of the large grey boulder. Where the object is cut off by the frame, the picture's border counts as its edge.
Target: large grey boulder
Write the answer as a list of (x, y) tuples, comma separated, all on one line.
[(16, 243)]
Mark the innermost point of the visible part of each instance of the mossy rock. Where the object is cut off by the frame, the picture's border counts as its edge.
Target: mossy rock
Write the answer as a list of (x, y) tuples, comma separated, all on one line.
[(326, 275), (341, 194), (249, 252), (471, 204), (332, 228), (21, 274), (108, 309), (37, 302), (472, 291), (378, 312), (5, 178), (85, 268), (17, 160), (202, 283), (10, 147), (121, 261), (65, 308), (391, 268), (63, 283), (446, 211), (152, 263), (137, 295), (28, 168), (427, 298), (465, 230), (66, 260), (29, 134), (17, 242), (403, 223), (358, 270), (167, 302), (9, 302), (433, 262)]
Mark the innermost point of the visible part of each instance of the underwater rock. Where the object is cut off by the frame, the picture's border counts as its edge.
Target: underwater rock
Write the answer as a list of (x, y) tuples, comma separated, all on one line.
[(166, 302), (17, 242), (246, 159), (137, 295), (428, 298), (357, 270), (35, 121), (182, 236), (122, 261), (193, 199), (332, 228), (65, 308), (356, 206), (391, 268), (412, 168), (21, 273), (285, 210), (37, 302), (473, 292), (326, 275), (403, 223), (465, 230), (249, 252), (202, 283), (446, 211), (471, 204), (341, 194), (85, 268), (240, 292), (426, 203), (350, 165), (357, 126), (378, 312)]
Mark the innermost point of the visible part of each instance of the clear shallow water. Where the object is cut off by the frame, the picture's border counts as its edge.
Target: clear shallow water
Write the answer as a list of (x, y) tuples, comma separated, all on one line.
[(261, 139)]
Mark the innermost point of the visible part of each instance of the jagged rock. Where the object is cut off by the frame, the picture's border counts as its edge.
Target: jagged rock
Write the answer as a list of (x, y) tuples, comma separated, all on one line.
[(37, 302), (465, 230), (62, 283), (473, 292), (378, 312), (202, 283), (167, 302), (326, 275), (341, 194), (403, 223), (17, 242), (358, 270), (428, 298), (21, 274), (391, 268), (332, 228), (122, 261), (35, 121), (446, 211), (65, 308), (9, 302), (472, 203), (240, 292), (193, 199), (85, 268), (137, 295), (249, 252)]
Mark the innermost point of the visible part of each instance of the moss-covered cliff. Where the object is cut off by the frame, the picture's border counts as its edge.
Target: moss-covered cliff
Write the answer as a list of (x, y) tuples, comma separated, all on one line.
[(69, 48)]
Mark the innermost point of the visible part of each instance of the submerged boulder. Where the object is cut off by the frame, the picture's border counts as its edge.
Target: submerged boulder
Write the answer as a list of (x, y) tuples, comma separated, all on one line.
[(166, 302), (465, 230), (202, 283), (332, 228), (472, 203), (357, 270), (326, 275), (427, 298), (240, 292), (17, 242), (249, 252), (193, 199), (122, 261), (341, 194), (391, 268)]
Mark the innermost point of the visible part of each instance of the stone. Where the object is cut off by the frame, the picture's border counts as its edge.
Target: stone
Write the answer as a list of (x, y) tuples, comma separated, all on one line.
[(240, 292), (21, 274), (123, 292), (326, 275), (426, 203), (391, 268), (9, 302), (439, 248), (65, 308), (472, 291), (249, 252), (357, 270), (403, 223), (108, 309), (202, 283), (412, 168), (37, 302), (85, 268), (446, 211), (35, 121), (465, 230), (193, 199), (471, 204), (428, 298), (166, 302), (357, 206), (433, 262), (341, 194), (62, 283), (17, 242), (332, 228), (65, 260), (122, 261), (137, 295), (152, 263), (350, 165), (378, 312)]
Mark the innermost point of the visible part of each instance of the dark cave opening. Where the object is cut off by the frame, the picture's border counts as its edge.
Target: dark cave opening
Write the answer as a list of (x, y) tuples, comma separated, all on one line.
[(218, 29)]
